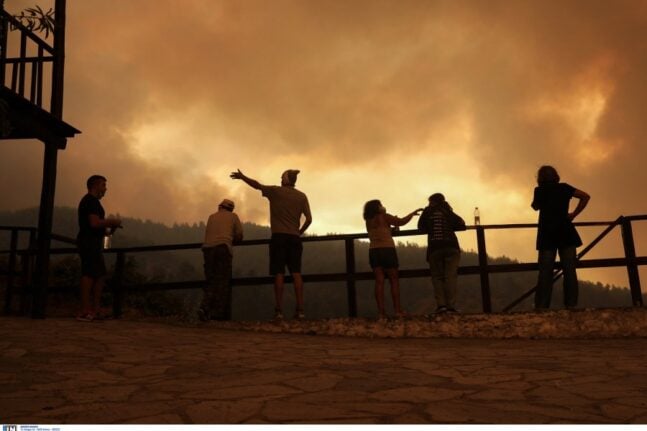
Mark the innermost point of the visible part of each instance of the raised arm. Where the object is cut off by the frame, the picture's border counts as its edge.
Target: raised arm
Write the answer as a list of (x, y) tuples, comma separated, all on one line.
[(238, 175), (583, 201), (423, 225), (397, 221)]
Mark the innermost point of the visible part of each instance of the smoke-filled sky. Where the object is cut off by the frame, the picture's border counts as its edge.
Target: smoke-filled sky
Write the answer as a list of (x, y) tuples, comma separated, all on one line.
[(392, 100)]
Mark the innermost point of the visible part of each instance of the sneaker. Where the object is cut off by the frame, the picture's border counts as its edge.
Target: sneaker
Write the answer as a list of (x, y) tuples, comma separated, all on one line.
[(278, 315), (299, 315), (441, 309), (85, 317), (452, 310)]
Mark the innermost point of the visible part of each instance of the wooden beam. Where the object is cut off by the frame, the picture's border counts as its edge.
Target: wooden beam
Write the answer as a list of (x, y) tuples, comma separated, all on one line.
[(59, 60), (45, 217)]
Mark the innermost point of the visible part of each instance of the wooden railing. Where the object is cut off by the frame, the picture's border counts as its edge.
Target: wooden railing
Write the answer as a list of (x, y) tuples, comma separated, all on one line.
[(350, 276), (24, 72)]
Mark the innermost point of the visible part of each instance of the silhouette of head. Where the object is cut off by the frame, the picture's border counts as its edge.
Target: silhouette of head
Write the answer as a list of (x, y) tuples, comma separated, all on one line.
[(227, 204), (289, 177), (372, 208), (547, 175), (436, 199), (97, 185)]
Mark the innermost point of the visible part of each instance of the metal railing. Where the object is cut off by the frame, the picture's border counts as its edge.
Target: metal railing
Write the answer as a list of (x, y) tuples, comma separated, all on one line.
[(350, 276)]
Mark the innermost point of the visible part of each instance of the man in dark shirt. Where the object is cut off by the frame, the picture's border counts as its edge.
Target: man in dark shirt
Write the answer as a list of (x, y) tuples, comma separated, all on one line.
[(93, 226)]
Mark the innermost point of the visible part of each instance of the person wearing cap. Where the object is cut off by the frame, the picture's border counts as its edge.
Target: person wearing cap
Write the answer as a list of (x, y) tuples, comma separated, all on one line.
[(287, 205), (223, 229)]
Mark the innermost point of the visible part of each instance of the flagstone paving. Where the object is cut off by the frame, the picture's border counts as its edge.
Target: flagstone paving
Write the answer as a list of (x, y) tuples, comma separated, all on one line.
[(62, 371)]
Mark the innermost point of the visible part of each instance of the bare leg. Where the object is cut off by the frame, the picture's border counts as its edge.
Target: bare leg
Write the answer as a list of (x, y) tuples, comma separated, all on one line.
[(86, 289), (298, 289), (392, 273), (379, 291), (279, 283), (97, 289)]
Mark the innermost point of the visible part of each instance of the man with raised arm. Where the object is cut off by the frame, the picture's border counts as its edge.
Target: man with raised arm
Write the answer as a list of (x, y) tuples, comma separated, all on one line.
[(287, 205)]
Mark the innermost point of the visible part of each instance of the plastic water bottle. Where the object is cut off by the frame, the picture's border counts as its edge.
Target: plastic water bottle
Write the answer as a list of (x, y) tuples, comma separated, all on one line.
[(107, 239), (477, 216)]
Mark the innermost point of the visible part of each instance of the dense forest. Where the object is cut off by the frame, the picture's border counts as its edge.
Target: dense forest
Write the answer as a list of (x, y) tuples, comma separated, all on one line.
[(323, 300)]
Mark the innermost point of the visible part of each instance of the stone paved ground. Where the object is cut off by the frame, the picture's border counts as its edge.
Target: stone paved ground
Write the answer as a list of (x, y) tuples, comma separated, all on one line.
[(63, 371)]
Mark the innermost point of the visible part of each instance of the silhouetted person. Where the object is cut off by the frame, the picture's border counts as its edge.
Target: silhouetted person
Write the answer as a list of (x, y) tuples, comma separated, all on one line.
[(93, 226), (440, 222), (556, 233), (382, 255), (287, 205), (223, 229)]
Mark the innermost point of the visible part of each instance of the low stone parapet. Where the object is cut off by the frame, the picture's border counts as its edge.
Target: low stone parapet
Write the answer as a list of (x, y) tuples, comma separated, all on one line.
[(584, 323)]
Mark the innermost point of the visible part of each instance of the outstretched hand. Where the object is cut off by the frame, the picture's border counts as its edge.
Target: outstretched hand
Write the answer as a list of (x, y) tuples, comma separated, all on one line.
[(416, 212), (238, 175)]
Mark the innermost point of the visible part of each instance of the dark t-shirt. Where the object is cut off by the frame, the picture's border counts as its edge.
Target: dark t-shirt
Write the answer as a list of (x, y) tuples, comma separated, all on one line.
[(90, 205), (555, 229)]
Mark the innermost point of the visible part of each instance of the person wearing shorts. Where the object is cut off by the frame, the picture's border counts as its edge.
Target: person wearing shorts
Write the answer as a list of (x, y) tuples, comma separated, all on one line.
[(382, 255), (287, 206), (92, 227)]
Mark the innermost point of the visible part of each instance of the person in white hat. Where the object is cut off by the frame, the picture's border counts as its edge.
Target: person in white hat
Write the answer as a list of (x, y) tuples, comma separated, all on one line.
[(223, 229), (287, 205)]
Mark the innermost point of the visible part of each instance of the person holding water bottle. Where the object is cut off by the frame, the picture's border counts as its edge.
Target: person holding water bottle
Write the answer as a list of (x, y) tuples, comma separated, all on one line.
[(93, 230)]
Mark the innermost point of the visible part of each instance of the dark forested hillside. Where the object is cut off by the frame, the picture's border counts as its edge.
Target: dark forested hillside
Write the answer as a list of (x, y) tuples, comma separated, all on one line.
[(322, 299)]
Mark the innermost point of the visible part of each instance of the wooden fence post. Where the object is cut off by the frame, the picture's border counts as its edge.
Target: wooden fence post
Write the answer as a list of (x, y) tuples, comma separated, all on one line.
[(11, 268), (632, 267), (350, 277), (27, 264), (483, 269)]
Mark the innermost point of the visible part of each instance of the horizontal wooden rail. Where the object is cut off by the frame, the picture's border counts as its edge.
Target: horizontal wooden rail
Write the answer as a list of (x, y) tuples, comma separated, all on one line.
[(20, 60), (369, 276)]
